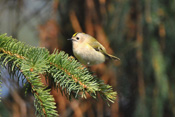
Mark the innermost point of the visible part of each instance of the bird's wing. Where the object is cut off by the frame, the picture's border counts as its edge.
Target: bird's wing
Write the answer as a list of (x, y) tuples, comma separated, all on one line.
[(98, 47)]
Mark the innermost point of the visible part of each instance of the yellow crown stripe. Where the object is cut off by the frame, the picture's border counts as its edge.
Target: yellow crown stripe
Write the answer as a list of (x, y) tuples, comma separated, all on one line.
[(75, 34)]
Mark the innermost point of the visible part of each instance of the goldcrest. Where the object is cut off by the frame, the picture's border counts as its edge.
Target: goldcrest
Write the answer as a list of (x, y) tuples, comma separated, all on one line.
[(88, 50)]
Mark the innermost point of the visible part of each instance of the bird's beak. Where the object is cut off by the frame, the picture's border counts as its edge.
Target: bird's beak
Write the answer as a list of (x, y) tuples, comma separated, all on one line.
[(70, 39)]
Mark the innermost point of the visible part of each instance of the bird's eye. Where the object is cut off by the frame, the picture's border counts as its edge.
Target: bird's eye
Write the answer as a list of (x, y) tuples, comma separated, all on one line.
[(77, 38)]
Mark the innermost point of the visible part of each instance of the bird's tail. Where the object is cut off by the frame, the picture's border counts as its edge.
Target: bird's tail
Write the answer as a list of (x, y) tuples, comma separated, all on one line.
[(112, 57)]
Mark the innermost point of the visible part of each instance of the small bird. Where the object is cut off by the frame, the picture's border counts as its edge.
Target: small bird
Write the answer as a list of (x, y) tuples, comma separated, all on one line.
[(88, 50)]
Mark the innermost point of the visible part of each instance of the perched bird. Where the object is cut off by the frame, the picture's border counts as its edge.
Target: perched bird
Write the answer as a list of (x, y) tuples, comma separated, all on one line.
[(88, 50)]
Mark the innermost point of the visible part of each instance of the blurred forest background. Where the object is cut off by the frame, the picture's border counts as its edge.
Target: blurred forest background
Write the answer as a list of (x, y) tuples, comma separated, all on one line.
[(140, 32)]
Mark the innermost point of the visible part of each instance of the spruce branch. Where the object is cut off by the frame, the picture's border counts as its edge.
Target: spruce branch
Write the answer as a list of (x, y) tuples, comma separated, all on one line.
[(32, 68), (63, 72), (30, 62), (63, 68)]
